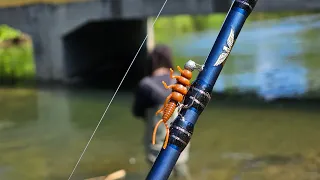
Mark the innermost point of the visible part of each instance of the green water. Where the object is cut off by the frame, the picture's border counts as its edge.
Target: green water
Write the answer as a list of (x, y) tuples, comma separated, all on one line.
[(43, 132)]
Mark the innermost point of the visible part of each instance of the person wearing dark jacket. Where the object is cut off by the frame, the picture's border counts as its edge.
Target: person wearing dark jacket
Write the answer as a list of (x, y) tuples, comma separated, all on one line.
[(149, 97)]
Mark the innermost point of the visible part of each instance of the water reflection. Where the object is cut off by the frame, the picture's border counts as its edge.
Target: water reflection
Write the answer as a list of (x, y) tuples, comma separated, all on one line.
[(271, 58), (49, 142), (29, 143)]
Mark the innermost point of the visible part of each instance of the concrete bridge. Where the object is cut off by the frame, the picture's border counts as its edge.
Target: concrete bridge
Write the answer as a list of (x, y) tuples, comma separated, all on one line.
[(96, 40)]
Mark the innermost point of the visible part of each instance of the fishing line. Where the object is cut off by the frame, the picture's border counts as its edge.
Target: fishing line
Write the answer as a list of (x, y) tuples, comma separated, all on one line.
[(84, 150)]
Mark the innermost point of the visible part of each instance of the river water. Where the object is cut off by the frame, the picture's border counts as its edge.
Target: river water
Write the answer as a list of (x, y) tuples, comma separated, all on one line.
[(43, 132), (274, 58)]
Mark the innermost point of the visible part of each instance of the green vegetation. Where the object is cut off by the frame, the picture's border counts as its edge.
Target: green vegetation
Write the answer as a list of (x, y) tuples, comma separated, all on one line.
[(16, 58), (7, 33), (179, 25), (168, 27)]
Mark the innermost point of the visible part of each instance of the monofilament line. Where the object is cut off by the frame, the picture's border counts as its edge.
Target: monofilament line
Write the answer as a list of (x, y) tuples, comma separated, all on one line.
[(115, 93)]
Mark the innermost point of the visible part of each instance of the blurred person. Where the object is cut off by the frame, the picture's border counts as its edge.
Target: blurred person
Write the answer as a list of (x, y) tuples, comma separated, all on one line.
[(150, 97)]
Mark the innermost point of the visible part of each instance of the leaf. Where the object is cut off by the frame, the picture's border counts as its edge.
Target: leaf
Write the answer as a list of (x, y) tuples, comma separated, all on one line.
[(221, 58)]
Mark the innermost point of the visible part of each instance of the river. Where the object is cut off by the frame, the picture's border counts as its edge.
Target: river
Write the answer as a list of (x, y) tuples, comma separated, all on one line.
[(43, 132), (274, 58)]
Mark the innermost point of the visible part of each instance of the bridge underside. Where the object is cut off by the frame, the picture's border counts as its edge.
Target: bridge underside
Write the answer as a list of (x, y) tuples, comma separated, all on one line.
[(100, 52)]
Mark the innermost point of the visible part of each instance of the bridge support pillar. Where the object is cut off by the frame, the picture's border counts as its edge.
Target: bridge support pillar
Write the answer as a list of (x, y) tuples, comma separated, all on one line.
[(151, 38), (39, 21)]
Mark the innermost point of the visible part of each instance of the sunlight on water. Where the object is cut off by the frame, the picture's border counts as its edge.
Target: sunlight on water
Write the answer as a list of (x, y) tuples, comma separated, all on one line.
[(271, 58)]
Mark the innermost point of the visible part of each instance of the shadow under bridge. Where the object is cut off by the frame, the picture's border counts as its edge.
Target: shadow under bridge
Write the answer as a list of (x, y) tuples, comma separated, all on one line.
[(98, 53)]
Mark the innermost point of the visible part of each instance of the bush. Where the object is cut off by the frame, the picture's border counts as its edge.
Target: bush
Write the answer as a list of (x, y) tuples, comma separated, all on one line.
[(16, 55)]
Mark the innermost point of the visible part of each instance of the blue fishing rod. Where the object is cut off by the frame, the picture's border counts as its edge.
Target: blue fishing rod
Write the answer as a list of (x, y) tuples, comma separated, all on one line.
[(199, 93)]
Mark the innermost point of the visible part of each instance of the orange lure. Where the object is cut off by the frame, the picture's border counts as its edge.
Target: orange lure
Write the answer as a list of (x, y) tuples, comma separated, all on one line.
[(179, 90)]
